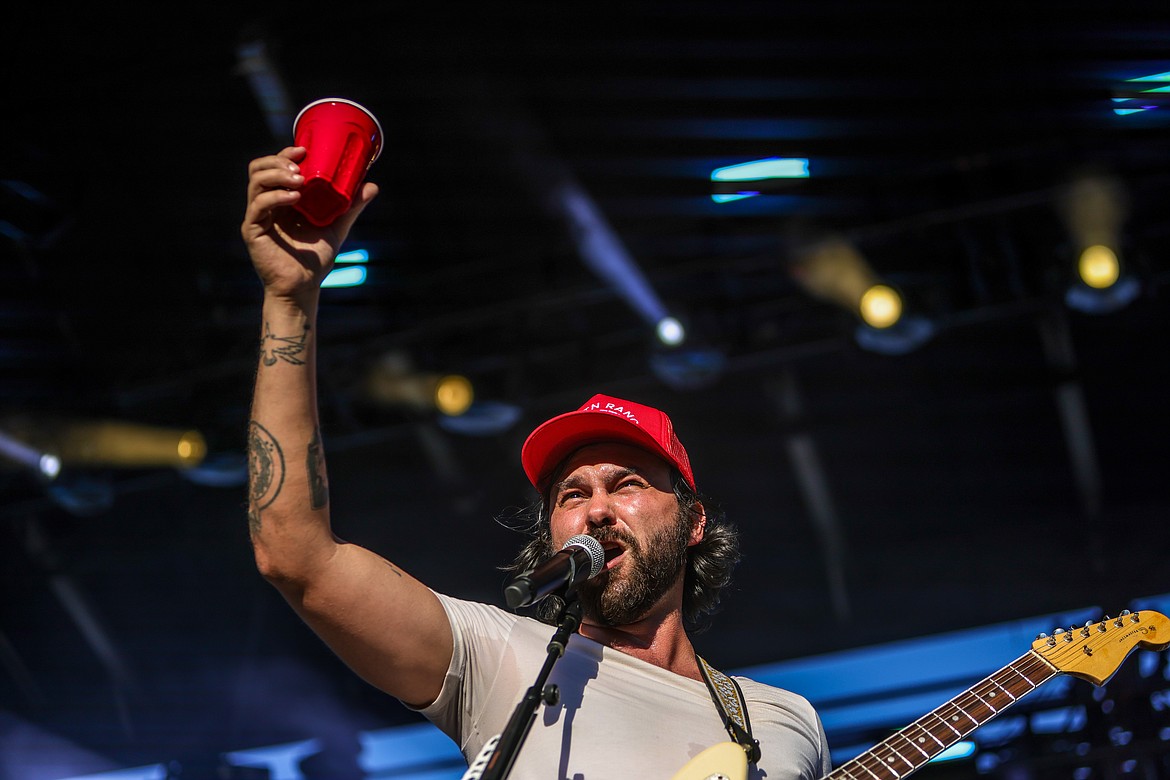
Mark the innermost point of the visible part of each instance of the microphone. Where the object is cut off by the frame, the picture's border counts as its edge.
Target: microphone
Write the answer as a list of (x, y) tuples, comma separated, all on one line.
[(582, 558)]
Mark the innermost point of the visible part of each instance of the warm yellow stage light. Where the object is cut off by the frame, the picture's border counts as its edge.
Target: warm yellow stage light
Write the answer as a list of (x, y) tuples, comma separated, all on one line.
[(880, 306), (192, 448), (118, 444), (834, 270), (1099, 267), (392, 382), (453, 395)]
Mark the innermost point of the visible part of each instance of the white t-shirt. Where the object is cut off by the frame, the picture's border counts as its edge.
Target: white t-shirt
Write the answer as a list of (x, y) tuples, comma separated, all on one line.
[(618, 716)]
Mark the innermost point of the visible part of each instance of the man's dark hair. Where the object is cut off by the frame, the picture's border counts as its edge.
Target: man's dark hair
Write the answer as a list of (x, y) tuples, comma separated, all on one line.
[(709, 563)]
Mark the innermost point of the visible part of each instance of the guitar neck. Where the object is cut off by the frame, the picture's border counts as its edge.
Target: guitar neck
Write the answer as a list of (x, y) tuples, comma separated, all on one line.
[(911, 748)]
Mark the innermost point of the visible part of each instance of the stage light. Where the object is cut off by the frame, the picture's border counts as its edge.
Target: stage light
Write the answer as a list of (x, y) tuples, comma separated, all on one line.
[(349, 276), (353, 256), (115, 443), (604, 253), (963, 749), (1157, 77), (768, 168), (1094, 208), (880, 306), (49, 466), (758, 170), (344, 273), (392, 382), (834, 270), (52, 444), (1161, 78), (727, 197), (19, 451), (1098, 267), (670, 331), (453, 395)]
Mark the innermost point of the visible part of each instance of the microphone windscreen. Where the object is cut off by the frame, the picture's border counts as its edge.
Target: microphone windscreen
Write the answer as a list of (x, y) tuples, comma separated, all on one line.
[(593, 547)]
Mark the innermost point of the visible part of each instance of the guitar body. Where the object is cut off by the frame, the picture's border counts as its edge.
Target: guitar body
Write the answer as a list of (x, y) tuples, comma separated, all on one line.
[(725, 761)]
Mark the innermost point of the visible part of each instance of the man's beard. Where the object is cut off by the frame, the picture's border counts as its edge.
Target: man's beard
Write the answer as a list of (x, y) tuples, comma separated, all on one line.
[(648, 571)]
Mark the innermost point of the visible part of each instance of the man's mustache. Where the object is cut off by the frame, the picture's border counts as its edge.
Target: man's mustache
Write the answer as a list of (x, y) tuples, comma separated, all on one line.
[(611, 534)]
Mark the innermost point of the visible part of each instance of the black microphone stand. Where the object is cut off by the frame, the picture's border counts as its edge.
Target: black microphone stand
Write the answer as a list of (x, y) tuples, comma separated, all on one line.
[(514, 734)]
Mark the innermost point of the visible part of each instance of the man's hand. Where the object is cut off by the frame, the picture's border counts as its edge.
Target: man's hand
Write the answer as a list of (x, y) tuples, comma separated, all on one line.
[(290, 254)]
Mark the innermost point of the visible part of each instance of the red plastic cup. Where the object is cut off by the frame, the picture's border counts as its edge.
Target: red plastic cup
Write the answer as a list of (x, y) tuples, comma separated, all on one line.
[(342, 140)]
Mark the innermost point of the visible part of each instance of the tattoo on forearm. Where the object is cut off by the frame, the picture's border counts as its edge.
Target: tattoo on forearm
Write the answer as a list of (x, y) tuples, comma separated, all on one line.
[(318, 484), (265, 468), (286, 348)]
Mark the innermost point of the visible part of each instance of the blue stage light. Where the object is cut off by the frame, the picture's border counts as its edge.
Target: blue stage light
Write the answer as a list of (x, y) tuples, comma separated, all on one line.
[(756, 170), (350, 276), (353, 256), (767, 168), (1160, 78), (730, 196)]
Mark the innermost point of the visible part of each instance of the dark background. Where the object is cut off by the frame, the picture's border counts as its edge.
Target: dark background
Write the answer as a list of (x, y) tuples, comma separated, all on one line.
[(1013, 465)]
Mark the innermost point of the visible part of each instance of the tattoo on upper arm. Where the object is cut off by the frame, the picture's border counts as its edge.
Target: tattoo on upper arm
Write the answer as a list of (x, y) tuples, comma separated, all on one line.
[(318, 484), (286, 348), (265, 468)]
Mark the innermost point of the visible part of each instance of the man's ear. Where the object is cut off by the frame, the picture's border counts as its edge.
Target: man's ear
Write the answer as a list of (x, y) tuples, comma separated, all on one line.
[(698, 524)]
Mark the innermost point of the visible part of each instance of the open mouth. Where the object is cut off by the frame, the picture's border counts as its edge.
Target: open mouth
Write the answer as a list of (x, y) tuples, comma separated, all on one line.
[(613, 552)]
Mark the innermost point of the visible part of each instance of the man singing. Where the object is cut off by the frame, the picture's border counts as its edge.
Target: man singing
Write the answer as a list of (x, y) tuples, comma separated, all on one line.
[(635, 700)]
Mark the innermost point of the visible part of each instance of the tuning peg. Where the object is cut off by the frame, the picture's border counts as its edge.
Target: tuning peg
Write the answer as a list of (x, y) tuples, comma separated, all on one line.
[(1041, 635), (1057, 631)]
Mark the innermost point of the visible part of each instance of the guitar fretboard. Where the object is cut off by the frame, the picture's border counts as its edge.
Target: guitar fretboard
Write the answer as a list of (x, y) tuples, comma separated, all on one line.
[(912, 747)]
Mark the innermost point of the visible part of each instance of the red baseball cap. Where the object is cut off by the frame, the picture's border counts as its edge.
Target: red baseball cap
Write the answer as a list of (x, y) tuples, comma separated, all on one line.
[(602, 418)]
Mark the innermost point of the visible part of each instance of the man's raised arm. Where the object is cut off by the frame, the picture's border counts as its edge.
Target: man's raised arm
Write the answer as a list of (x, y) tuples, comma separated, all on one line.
[(387, 626)]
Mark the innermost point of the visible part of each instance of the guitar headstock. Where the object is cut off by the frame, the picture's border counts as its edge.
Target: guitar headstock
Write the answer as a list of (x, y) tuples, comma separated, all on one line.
[(1094, 651)]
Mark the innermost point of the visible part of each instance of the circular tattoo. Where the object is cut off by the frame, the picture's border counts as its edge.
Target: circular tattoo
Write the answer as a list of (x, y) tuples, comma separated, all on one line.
[(265, 465)]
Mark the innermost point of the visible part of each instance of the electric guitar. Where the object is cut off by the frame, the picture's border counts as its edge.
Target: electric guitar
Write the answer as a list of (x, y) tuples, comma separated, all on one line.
[(1093, 652)]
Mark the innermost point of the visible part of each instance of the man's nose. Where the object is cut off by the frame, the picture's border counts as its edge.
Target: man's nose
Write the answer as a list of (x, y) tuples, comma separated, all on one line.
[(600, 509)]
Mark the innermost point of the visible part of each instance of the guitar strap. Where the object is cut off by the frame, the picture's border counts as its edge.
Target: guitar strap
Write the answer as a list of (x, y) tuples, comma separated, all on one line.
[(728, 698)]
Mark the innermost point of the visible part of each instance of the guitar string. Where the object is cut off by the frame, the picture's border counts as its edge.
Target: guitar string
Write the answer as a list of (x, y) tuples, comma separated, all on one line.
[(1033, 662), (965, 708)]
